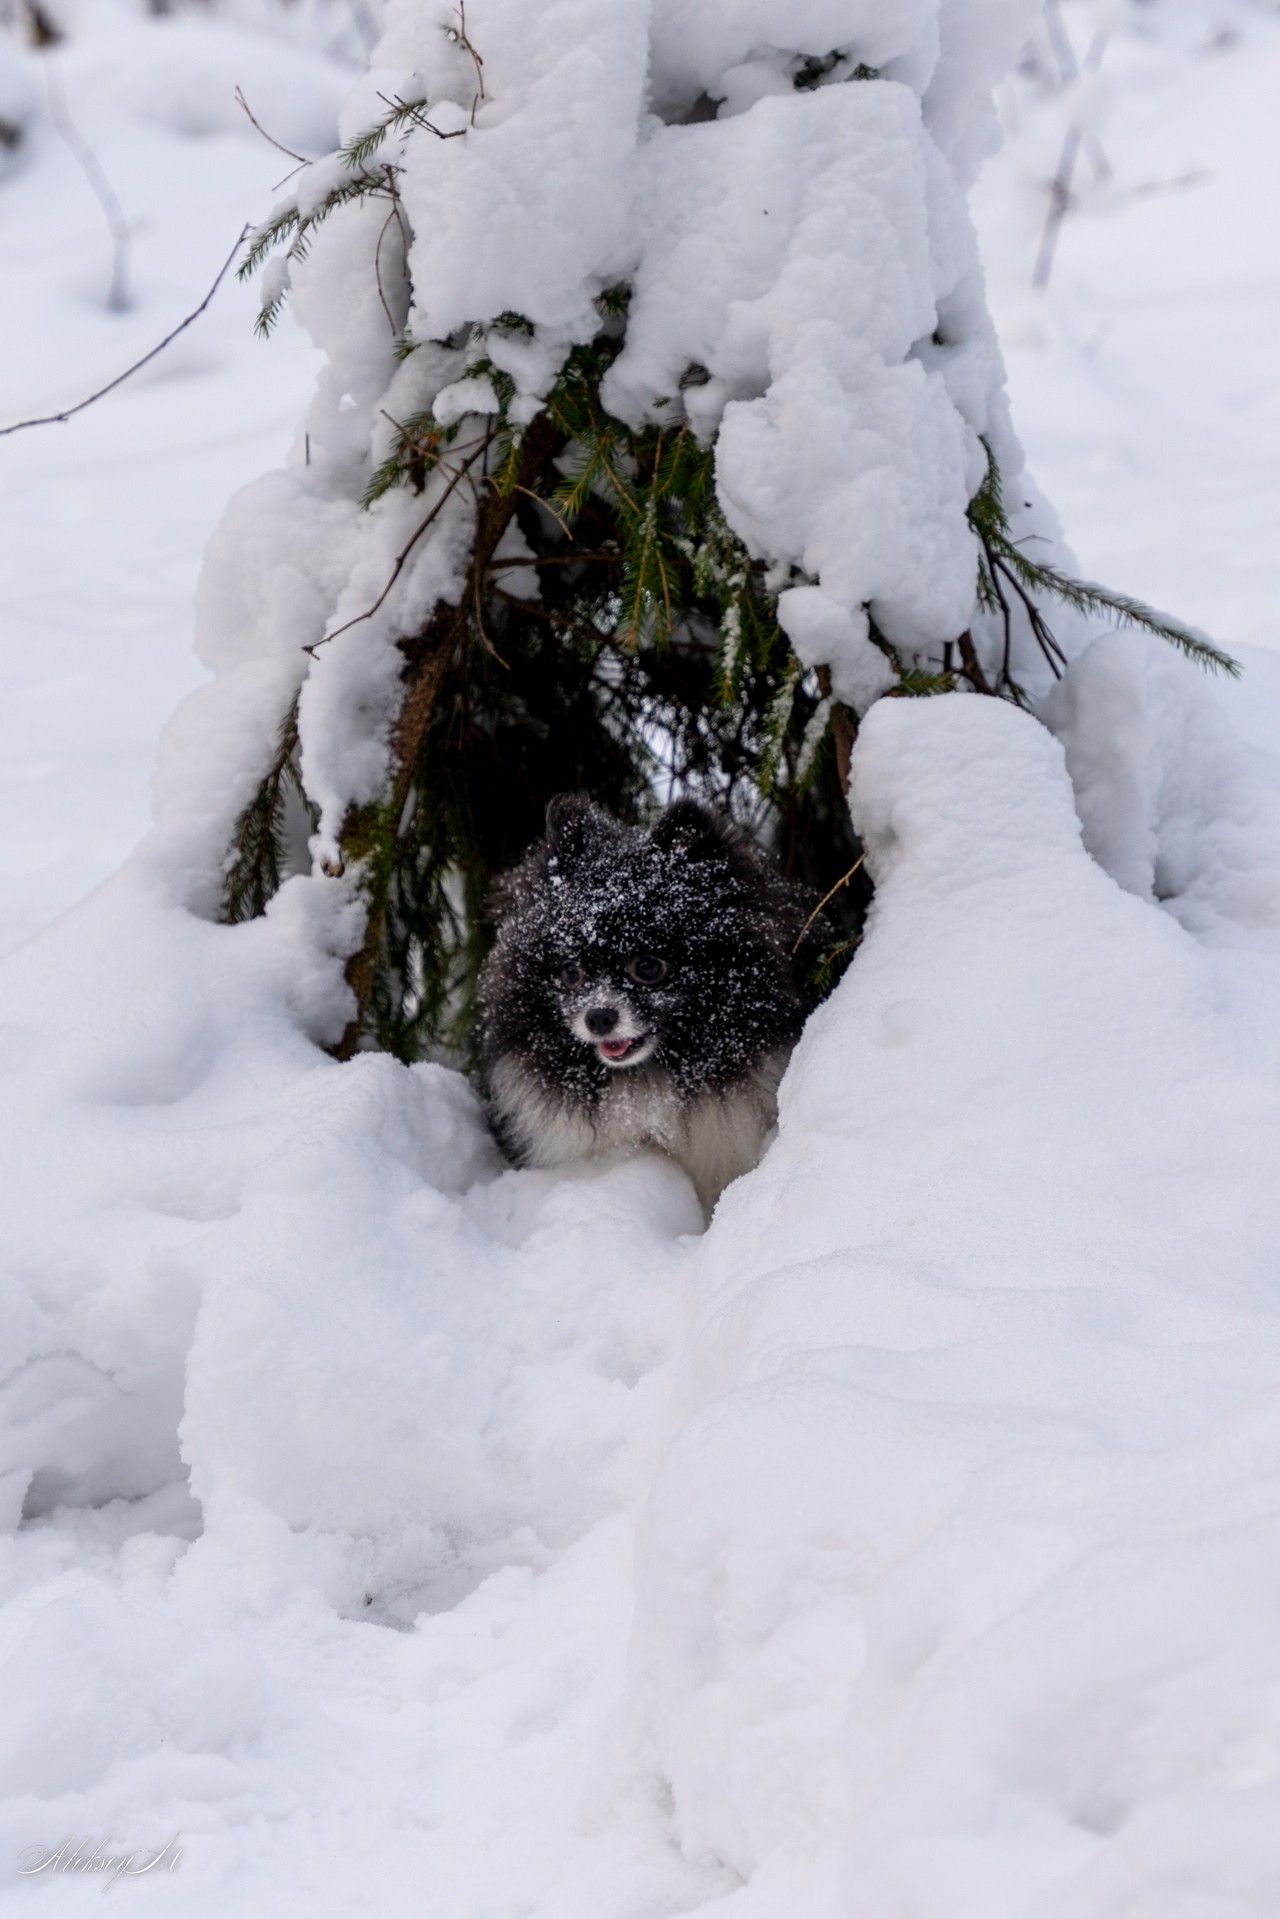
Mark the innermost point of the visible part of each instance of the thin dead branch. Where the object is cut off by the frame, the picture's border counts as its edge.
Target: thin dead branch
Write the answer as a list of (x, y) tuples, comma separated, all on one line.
[(90, 165), (402, 557), (417, 117), (828, 895), (279, 146), (476, 60), (55, 419)]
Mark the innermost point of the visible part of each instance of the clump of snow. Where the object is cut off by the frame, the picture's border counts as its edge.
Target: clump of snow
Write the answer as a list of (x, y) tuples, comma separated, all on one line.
[(975, 1359), (785, 209), (1169, 804), (788, 252)]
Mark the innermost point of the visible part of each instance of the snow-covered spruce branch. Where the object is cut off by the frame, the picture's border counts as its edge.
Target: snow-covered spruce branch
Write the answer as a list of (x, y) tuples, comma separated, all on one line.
[(616, 631), (255, 864), (652, 620), (1005, 568), (292, 225)]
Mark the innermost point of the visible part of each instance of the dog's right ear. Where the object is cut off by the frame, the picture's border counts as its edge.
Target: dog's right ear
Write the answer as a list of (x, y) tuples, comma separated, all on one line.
[(575, 829), (693, 829)]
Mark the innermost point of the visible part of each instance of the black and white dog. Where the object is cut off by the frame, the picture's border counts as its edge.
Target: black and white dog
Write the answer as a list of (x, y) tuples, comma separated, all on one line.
[(642, 992)]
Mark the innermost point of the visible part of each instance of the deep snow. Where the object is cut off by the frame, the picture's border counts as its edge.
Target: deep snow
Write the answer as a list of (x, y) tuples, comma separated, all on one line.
[(906, 1545)]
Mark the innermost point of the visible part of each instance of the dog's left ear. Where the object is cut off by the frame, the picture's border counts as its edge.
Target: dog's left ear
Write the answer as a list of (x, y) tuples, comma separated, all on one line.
[(575, 829), (692, 829)]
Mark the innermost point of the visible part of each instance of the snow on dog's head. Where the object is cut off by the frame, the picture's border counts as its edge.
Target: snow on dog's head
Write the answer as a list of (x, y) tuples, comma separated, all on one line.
[(619, 947)]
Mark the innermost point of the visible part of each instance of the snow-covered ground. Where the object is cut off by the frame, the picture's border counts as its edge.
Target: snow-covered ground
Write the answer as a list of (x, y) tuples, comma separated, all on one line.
[(105, 517), (1143, 379), (907, 1545)]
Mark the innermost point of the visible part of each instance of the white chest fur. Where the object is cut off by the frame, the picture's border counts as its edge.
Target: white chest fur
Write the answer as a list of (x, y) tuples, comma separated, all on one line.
[(715, 1135)]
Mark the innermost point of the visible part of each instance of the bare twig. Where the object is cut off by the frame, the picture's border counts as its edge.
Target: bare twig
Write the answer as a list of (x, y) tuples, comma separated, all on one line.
[(364, 23), (288, 152), (841, 728), (1006, 615), (1060, 195), (417, 117), (43, 31), (538, 500), (842, 881), (476, 61), (609, 554), (1059, 206), (485, 641), (377, 274), (91, 167), (1039, 625), (394, 191), (54, 419), (972, 667), (396, 215), (1060, 40), (401, 557)]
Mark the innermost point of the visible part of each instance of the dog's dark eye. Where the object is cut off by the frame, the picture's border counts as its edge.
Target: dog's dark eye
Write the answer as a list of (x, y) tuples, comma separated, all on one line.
[(647, 969), (572, 974)]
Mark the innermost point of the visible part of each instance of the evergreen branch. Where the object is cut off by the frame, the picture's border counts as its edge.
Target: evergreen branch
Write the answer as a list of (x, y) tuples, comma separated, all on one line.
[(645, 581), (268, 313), (290, 221), (1087, 597), (915, 683), (572, 495), (814, 738), (824, 975), (361, 149), (776, 719), (54, 419), (402, 115), (1003, 558), (253, 867), (265, 238), (414, 456)]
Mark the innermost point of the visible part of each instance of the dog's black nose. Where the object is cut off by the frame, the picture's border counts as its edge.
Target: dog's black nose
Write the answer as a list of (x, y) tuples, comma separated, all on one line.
[(601, 1020)]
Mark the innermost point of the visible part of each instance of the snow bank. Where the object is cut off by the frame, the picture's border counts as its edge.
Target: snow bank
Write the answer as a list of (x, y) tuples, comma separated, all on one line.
[(1170, 805), (905, 1543), (953, 1589)]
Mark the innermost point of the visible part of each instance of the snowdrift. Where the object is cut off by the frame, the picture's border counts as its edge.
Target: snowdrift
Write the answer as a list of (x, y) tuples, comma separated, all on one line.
[(906, 1543)]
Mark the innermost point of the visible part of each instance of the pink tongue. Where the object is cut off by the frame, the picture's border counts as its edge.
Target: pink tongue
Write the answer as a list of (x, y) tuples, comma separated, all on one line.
[(615, 1048)]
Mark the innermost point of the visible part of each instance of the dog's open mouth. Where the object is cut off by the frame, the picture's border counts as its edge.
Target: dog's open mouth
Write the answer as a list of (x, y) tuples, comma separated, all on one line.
[(615, 1050)]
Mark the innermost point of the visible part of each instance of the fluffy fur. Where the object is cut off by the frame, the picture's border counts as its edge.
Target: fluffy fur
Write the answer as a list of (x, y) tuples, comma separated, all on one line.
[(641, 992)]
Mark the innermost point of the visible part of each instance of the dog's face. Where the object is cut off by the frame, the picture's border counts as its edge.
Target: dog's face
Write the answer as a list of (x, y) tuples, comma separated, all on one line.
[(620, 949), (616, 1010), (616, 954)]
